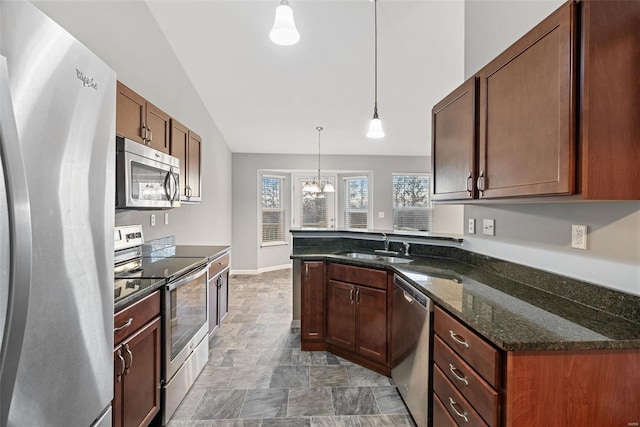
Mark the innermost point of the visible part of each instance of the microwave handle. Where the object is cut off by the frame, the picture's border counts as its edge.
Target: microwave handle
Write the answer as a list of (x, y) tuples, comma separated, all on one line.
[(176, 192), (167, 186)]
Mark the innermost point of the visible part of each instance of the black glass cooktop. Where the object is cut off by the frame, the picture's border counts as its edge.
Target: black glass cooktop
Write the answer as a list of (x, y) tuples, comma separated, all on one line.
[(164, 268)]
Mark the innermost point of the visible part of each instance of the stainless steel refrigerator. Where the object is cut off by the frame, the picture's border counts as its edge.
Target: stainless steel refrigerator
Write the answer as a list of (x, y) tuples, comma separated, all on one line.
[(57, 146)]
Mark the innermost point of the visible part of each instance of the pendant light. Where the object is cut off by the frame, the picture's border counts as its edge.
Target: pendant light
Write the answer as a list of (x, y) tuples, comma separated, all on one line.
[(284, 32), (375, 127), (319, 184)]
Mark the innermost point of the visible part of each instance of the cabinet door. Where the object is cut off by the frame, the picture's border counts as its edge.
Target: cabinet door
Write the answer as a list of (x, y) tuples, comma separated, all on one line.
[(453, 144), (313, 301), (179, 144), (527, 113), (341, 329), (371, 323), (223, 296), (193, 168), (158, 128), (213, 304), (141, 381), (118, 372), (130, 114)]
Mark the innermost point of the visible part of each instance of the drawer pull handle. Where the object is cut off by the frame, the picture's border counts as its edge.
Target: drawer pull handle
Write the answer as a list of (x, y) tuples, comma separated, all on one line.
[(453, 405), (125, 326), (458, 340), (453, 371)]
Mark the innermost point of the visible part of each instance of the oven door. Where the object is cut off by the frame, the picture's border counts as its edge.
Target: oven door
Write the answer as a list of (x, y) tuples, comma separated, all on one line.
[(185, 318), (146, 178)]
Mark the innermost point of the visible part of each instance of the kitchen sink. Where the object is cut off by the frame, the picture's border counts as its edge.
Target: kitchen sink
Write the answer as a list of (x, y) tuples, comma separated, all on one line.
[(358, 255), (393, 259), (371, 257)]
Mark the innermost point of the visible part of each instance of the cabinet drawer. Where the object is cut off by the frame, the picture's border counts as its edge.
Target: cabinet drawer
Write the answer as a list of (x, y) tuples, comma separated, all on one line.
[(481, 395), (441, 417), (218, 264), (358, 275), (478, 353), (455, 403), (129, 320)]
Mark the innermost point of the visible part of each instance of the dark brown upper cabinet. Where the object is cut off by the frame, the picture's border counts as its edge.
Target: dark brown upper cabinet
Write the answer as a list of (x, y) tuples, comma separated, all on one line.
[(527, 113), (453, 144), (141, 121), (556, 117), (186, 145)]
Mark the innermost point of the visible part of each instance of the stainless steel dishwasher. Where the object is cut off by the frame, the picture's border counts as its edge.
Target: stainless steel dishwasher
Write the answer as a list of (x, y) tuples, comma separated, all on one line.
[(411, 343)]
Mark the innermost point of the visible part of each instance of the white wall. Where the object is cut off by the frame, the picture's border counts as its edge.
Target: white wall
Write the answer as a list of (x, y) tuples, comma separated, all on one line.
[(539, 234), (245, 237), (126, 36)]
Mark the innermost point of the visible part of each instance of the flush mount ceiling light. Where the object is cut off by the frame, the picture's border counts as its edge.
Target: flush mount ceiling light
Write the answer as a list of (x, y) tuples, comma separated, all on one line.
[(319, 184), (284, 32), (375, 127)]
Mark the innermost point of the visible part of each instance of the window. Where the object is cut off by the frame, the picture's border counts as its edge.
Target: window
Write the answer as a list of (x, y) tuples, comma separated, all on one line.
[(411, 203), (356, 202), (312, 210), (272, 209)]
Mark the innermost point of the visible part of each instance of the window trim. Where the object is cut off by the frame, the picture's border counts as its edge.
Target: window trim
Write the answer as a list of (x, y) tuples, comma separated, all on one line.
[(261, 210)]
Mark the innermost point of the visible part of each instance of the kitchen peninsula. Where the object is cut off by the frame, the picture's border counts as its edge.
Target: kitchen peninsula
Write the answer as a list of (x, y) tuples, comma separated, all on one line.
[(557, 346)]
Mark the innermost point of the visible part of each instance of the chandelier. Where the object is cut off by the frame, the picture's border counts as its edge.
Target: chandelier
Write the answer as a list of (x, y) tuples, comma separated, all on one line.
[(318, 185)]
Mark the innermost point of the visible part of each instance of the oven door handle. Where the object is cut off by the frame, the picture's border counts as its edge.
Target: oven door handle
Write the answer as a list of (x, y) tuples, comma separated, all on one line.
[(186, 279)]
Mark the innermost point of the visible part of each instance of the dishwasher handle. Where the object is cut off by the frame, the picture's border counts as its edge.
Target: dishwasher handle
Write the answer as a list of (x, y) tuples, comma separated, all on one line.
[(411, 294)]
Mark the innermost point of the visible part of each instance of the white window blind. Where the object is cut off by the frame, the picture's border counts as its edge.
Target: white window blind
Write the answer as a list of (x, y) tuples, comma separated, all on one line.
[(412, 208), (272, 209), (356, 202)]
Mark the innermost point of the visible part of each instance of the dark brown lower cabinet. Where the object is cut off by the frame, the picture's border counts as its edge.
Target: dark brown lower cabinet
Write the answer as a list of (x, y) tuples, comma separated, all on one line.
[(357, 319), (218, 291), (312, 292), (137, 377)]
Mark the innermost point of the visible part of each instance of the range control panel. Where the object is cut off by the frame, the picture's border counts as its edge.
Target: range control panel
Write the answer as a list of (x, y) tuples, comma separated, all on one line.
[(127, 236)]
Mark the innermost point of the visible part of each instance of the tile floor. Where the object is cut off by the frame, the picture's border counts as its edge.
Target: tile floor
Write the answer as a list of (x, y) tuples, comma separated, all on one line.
[(257, 375)]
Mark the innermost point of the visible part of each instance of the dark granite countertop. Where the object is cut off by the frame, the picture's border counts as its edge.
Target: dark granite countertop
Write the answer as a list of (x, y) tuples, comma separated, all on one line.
[(134, 289), (512, 315)]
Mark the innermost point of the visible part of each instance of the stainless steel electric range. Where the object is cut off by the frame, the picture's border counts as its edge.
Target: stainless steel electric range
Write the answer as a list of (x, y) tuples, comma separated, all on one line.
[(184, 309)]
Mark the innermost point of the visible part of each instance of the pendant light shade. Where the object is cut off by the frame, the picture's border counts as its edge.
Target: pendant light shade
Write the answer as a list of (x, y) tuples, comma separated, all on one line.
[(375, 127), (284, 32)]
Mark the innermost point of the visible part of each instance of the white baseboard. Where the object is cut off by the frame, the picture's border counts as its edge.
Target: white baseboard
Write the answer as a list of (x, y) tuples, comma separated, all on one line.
[(295, 323), (262, 270)]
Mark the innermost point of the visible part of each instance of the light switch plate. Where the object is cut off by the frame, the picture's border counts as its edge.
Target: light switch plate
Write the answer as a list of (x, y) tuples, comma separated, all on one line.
[(153, 220), (489, 227), (380, 214), (166, 219), (472, 226)]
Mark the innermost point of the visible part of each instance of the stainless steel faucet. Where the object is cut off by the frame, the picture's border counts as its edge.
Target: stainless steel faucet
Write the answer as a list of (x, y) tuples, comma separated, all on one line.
[(406, 248), (385, 239)]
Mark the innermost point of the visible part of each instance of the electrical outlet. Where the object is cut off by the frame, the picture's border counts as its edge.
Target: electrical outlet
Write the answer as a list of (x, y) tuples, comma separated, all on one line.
[(153, 220), (489, 227), (380, 214), (579, 237), (472, 226), (166, 219)]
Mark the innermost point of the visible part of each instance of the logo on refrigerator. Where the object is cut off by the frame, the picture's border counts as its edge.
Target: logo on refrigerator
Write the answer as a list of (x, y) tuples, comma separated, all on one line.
[(86, 81)]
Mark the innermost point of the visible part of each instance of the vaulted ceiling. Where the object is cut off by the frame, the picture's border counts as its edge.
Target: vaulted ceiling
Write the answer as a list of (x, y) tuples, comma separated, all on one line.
[(269, 98)]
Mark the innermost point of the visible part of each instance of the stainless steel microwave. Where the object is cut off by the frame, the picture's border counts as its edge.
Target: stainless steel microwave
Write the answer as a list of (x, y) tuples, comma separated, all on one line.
[(145, 178)]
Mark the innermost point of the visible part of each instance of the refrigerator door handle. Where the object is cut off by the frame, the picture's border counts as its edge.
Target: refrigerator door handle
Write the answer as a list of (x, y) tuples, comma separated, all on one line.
[(19, 216)]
